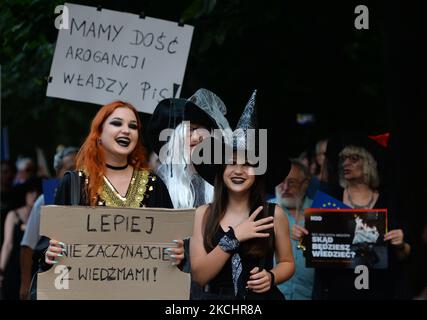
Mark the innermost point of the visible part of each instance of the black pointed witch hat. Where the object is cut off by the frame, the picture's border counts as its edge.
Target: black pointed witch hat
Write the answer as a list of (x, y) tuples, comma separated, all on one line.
[(203, 107)]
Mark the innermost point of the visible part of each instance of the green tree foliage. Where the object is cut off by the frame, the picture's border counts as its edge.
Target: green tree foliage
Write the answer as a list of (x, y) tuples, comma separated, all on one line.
[(302, 58)]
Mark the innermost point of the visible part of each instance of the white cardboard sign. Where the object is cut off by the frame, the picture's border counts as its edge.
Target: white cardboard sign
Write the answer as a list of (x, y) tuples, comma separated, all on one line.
[(107, 55), (114, 253)]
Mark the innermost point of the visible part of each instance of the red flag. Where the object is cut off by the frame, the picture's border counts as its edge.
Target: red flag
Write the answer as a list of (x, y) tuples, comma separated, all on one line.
[(382, 139)]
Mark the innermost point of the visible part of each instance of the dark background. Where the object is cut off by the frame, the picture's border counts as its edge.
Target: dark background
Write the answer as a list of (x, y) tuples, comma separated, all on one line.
[(302, 56)]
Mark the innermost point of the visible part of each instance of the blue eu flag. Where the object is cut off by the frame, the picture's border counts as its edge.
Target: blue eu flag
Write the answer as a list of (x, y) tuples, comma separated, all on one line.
[(325, 201), (49, 190)]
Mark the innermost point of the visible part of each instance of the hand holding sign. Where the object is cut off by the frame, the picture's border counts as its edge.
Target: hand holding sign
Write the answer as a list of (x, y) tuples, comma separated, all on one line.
[(177, 254), (395, 237), (55, 249), (298, 232)]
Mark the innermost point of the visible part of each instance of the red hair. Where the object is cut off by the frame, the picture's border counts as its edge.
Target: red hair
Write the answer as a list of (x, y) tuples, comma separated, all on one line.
[(90, 157)]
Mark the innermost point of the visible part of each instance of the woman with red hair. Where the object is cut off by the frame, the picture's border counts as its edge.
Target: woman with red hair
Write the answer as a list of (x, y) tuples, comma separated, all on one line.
[(112, 171)]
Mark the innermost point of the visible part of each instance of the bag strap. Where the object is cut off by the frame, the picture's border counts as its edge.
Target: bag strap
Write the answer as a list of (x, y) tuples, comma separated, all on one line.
[(74, 187), (271, 208)]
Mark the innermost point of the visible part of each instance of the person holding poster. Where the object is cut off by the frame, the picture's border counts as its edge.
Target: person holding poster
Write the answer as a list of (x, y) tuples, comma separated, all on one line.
[(112, 171), (361, 164), (291, 195), (236, 236)]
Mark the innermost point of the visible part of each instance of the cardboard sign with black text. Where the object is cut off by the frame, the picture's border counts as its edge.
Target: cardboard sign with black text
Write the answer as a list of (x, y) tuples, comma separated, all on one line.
[(346, 238), (104, 55), (115, 253)]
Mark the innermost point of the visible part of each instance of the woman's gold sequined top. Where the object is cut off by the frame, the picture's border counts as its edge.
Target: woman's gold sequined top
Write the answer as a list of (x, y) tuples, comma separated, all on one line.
[(139, 188)]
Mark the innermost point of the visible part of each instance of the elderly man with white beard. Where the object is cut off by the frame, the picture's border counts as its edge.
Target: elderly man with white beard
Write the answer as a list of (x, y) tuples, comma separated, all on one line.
[(291, 196)]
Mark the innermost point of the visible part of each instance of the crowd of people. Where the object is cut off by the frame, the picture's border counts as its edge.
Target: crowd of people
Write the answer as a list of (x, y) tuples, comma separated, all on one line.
[(248, 227)]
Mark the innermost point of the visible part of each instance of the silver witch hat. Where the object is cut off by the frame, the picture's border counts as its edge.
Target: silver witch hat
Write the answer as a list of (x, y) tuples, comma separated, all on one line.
[(243, 136)]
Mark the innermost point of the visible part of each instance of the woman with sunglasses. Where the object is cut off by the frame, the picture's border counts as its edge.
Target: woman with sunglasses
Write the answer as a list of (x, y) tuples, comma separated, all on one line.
[(360, 166)]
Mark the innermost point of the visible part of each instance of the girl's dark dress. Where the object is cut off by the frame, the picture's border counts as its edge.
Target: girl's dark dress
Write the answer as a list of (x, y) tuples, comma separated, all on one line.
[(221, 287), (12, 274)]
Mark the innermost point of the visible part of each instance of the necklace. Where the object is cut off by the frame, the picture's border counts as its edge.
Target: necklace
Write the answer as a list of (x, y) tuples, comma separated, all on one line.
[(300, 244), (356, 206), (117, 168)]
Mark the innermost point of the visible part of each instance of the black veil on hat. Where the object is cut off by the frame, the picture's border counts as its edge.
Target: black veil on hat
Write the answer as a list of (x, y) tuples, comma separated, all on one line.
[(277, 167), (203, 107)]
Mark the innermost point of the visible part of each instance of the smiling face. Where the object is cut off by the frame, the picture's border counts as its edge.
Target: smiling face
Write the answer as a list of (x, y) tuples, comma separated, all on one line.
[(119, 133), (238, 177)]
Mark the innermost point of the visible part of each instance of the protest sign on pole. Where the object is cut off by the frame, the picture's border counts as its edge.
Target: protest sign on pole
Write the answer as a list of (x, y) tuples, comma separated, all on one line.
[(114, 253), (105, 55), (346, 238)]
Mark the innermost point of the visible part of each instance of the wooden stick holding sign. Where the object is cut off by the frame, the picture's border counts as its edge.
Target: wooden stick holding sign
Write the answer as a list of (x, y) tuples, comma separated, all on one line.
[(115, 253)]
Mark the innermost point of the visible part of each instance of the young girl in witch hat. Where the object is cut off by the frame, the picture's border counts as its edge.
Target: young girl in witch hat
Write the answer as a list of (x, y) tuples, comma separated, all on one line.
[(236, 236)]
